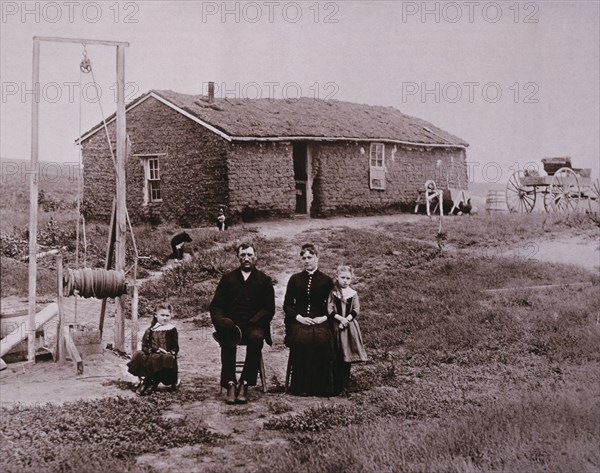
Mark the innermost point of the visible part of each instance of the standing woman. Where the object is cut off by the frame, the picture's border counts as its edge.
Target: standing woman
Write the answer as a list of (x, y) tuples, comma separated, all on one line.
[(308, 331)]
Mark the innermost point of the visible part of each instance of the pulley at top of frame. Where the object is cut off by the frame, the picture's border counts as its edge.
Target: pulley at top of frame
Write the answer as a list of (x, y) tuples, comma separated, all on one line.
[(85, 65)]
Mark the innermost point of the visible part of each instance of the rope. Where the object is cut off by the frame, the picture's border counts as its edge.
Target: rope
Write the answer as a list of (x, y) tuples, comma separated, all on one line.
[(137, 255), (84, 241), (78, 179), (105, 126), (86, 67), (90, 69), (94, 282)]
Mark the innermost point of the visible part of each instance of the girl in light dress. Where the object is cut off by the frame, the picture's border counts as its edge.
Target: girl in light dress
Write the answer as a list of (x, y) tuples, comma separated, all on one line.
[(343, 307)]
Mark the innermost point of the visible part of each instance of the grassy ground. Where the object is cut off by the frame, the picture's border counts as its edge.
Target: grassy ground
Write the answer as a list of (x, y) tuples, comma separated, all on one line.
[(459, 380), (58, 187)]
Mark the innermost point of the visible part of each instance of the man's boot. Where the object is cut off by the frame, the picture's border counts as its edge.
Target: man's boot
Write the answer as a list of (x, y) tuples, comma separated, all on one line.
[(242, 393), (230, 393)]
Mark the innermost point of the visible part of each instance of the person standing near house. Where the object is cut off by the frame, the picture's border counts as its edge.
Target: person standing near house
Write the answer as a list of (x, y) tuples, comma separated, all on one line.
[(308, 329), (221, 220), (241, 310)]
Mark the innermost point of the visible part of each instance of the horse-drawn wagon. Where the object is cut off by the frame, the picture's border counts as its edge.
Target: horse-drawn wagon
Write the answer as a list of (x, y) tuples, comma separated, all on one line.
[(563, 189)]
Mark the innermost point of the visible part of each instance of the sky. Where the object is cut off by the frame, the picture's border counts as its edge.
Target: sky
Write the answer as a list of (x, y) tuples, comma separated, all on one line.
[(519, 81)]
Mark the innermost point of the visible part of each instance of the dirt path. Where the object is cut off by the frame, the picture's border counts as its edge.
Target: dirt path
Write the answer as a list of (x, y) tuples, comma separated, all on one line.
[(579, 251), (288, 229)]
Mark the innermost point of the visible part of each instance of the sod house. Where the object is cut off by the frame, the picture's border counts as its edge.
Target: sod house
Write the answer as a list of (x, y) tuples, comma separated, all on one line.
[(188, 155)]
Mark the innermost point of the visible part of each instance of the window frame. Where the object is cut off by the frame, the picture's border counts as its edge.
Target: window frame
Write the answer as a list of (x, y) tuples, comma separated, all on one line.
[(154, 191), (152, 181), (377, 172)]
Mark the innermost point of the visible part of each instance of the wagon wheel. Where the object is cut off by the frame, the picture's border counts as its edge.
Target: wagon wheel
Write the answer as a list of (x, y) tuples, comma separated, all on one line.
[(594, 196), (519, 198), (564, 193)]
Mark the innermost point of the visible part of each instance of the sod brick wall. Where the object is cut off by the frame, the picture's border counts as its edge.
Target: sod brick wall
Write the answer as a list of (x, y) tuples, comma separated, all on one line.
[(193, 168), (261, 180), (341, 176)]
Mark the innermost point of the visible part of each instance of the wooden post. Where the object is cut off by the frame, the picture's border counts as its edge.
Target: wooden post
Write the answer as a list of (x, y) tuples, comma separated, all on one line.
[(121, 222), (441, 199), (60, 354), (33, 199), (134, 318), (55, 39), (109, 257), (72, 349)]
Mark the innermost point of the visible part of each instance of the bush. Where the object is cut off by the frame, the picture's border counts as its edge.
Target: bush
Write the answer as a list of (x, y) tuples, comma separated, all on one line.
[(50, 235), (14, 244), (317, 419), (51, 204)]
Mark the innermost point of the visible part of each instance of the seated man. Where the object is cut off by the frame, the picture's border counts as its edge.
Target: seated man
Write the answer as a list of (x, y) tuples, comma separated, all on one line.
[(242, 307)]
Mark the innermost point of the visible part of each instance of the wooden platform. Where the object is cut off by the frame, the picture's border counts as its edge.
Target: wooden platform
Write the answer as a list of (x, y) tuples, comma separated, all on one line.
[(544, 181)]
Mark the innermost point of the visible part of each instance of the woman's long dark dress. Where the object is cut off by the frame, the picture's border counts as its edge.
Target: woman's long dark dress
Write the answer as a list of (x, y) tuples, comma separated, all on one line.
[(149, 363), (312, 354)]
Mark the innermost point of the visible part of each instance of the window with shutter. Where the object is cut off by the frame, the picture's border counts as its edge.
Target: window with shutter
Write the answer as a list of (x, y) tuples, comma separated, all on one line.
[(377, 166)]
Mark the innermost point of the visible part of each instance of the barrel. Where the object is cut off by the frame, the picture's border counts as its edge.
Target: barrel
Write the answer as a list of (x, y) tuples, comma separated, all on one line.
[(495, 201)]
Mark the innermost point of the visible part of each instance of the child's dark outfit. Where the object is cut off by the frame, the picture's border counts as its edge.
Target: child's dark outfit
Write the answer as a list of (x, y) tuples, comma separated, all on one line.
[(348, 340), (177, 243), (221, 221), (153, 365)]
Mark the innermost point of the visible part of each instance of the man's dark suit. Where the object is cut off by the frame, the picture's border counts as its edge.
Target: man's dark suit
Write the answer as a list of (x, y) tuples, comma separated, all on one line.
[(249, 304)]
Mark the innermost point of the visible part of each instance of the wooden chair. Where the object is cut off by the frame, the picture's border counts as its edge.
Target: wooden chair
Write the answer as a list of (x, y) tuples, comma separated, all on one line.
[(288, 374), (239, 365)]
